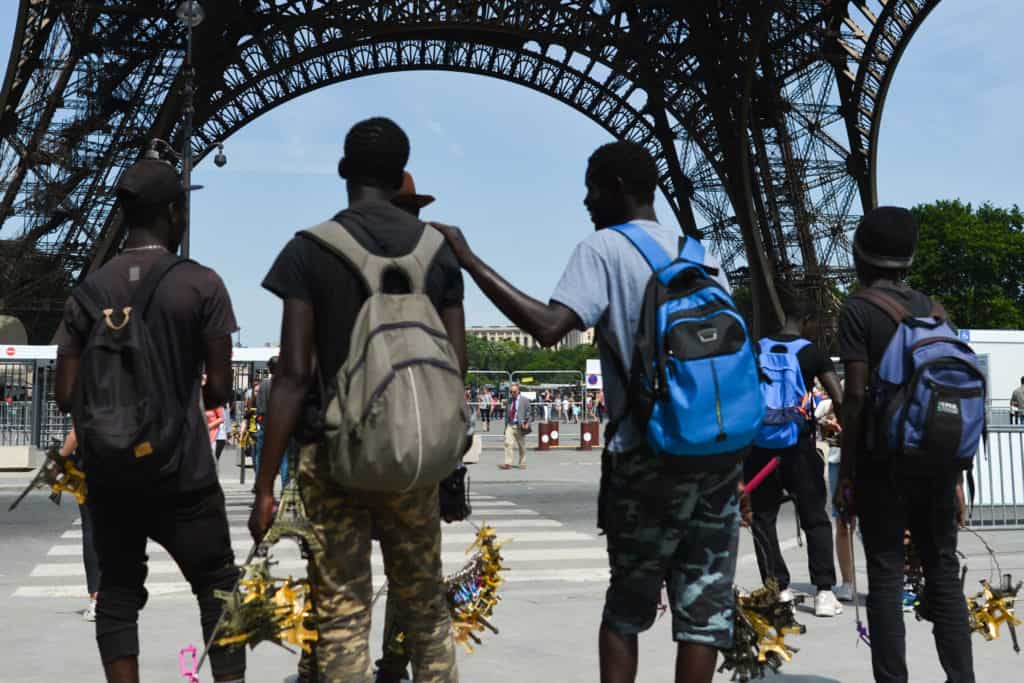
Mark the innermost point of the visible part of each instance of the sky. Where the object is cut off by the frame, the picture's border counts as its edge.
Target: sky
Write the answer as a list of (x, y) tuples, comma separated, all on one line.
[(507, 164)]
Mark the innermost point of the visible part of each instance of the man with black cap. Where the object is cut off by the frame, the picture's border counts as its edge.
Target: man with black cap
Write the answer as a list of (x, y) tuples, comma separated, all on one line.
[(891, 499), (322, 296), (189, 320)]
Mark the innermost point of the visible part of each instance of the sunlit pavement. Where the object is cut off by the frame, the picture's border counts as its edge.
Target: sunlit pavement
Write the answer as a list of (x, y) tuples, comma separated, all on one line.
[(548, 619)]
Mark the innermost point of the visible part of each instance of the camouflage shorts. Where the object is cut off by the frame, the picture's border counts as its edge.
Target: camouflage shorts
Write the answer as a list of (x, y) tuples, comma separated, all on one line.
[(682, 530), (409, 527)]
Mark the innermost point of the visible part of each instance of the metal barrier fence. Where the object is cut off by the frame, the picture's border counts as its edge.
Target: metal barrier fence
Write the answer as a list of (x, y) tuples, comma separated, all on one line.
[(28, 408), (999, 480)]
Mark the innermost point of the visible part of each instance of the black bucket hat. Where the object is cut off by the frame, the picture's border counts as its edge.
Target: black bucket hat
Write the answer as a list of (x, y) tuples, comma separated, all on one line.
[(887, 238)]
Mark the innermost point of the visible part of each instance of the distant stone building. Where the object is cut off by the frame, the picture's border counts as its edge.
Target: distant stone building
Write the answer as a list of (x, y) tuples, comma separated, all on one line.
[(517, 336)]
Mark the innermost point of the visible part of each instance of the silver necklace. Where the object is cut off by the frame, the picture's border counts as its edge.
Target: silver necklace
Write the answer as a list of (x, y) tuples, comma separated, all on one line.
[(147, 247)]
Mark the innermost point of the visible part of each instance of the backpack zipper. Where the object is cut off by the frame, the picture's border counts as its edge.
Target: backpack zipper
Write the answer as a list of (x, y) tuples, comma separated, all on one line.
[(718, 403)]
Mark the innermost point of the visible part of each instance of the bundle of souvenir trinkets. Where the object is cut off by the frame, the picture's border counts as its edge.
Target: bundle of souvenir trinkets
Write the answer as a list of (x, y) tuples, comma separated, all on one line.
[(762, 622)]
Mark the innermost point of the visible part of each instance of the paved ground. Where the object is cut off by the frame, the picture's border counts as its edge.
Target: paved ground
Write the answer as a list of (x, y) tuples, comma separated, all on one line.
[(548, 619)]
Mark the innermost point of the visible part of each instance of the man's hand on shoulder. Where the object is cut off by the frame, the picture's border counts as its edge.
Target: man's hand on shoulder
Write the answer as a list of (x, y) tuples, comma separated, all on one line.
[(457, 241)]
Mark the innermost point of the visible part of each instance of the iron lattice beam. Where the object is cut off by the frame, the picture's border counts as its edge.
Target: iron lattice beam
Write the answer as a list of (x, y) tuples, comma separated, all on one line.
[(763, 114)]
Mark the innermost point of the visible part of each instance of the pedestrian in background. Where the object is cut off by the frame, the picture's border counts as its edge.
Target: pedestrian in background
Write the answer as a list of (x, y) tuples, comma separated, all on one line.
[(89, 557), (517, 425), (1017, 404)]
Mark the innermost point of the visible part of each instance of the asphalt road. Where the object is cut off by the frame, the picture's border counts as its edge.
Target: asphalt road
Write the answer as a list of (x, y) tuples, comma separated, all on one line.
[(548, 618)]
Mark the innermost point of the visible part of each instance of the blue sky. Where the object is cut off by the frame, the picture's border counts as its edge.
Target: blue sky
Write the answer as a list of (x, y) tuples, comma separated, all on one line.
[(507, 164)]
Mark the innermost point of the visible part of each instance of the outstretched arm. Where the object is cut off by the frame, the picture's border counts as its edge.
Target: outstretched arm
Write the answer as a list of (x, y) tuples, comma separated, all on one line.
[(547, 323)]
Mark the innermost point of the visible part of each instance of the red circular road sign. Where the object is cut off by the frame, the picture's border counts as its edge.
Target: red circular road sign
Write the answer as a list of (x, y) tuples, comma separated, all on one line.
[(10, 350)]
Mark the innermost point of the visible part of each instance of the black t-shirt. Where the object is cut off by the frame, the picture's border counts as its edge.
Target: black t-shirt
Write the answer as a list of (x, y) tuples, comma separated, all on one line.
[(190, 306), (865, 329), (813, 363), (307, 270)]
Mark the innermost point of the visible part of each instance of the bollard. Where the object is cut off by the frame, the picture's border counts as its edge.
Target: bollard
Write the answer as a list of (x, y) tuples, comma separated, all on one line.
[(543, 436), (553, 433), (590, 435)]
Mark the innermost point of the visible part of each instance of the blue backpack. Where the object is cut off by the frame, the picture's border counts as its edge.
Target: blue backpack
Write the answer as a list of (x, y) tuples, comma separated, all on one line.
[(788, 410), (694, 384), (928, 393)]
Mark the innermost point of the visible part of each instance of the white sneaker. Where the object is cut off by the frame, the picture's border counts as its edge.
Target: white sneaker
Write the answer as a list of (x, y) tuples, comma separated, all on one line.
[(786, 596), (844, 592), (89, 613), (826, 605)]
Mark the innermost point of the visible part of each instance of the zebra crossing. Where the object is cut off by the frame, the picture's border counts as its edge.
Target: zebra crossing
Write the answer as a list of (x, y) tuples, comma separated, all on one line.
[(538, 549)]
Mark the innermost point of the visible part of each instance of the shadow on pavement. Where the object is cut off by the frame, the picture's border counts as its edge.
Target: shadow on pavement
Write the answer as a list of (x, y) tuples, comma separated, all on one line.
[(800, 678)]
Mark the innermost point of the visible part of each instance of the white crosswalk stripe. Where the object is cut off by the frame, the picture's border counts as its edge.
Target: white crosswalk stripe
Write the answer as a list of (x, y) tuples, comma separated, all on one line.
[(538, 550)]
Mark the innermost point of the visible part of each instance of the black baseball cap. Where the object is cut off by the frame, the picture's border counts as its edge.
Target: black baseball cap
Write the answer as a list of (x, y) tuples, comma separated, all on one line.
[(151, 181), (887, 237)]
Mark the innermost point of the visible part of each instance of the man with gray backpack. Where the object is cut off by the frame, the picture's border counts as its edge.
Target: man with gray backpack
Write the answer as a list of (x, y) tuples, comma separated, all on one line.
[(789, 365), (913, 418), (376, 297)]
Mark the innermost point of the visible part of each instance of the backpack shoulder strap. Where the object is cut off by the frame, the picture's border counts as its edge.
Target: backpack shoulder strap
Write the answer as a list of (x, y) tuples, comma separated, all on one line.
[(143, 294), (652, 252), (340, 241), (417, 263), (693, 251), (798, 345), (885, 301), (86, 296)]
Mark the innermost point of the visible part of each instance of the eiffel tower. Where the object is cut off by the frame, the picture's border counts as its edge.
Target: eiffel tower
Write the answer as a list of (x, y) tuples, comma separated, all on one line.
[(763, 114)]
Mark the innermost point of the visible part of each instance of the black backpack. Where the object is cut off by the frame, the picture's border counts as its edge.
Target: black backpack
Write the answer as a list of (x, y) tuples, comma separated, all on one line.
[(127, 419)]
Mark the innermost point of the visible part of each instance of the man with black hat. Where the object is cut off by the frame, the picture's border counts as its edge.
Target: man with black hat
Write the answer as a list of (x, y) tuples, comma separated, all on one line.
[(322, 296), (189, 320), (890, 499)]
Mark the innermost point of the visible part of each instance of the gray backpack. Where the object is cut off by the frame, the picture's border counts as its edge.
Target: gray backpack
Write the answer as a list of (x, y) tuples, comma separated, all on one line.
[(396, 419)]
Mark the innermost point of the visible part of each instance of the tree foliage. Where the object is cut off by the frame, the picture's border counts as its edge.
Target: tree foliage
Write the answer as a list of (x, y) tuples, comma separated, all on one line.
[(506, 356), (973, 261)]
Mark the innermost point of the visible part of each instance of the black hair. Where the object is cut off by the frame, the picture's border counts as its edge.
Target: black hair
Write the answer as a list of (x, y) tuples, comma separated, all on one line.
[(794, 305), (1022, 380), (272, 364), (376, 152), (630, 162)]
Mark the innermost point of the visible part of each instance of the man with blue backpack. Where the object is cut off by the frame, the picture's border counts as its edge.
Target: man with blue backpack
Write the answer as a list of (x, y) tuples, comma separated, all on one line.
[(669, 500), (914, 414), (789, 364)]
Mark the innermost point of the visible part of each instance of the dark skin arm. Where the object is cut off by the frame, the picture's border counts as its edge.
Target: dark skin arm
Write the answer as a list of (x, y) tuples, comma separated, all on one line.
[(218, 371), (291, 382), (67, 373), (853, 427), (547, 323)]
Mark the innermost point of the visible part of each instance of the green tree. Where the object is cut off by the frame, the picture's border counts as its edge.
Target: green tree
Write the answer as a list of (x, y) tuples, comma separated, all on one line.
[(973, 261), (509, 357)]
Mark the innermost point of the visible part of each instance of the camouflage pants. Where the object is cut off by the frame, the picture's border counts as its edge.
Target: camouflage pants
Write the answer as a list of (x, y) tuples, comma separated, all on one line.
[(681, 529), (410, 536)]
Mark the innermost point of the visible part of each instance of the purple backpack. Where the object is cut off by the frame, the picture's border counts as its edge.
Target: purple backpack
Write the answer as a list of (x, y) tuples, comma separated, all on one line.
[(928, 393)]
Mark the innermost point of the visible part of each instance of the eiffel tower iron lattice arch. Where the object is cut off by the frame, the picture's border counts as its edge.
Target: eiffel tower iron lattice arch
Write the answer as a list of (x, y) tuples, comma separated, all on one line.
[(763, 114)]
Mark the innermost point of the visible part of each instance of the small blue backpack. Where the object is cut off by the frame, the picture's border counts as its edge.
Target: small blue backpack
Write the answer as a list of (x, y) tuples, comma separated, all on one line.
[(694, 386), (788, 406), (928, 393)]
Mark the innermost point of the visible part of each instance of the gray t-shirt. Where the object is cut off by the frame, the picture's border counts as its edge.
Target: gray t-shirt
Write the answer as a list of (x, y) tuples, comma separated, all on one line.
[(604, 284)]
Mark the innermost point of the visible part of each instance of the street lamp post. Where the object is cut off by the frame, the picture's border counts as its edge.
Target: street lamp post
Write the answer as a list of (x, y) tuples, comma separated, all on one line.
[(191, 14)]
